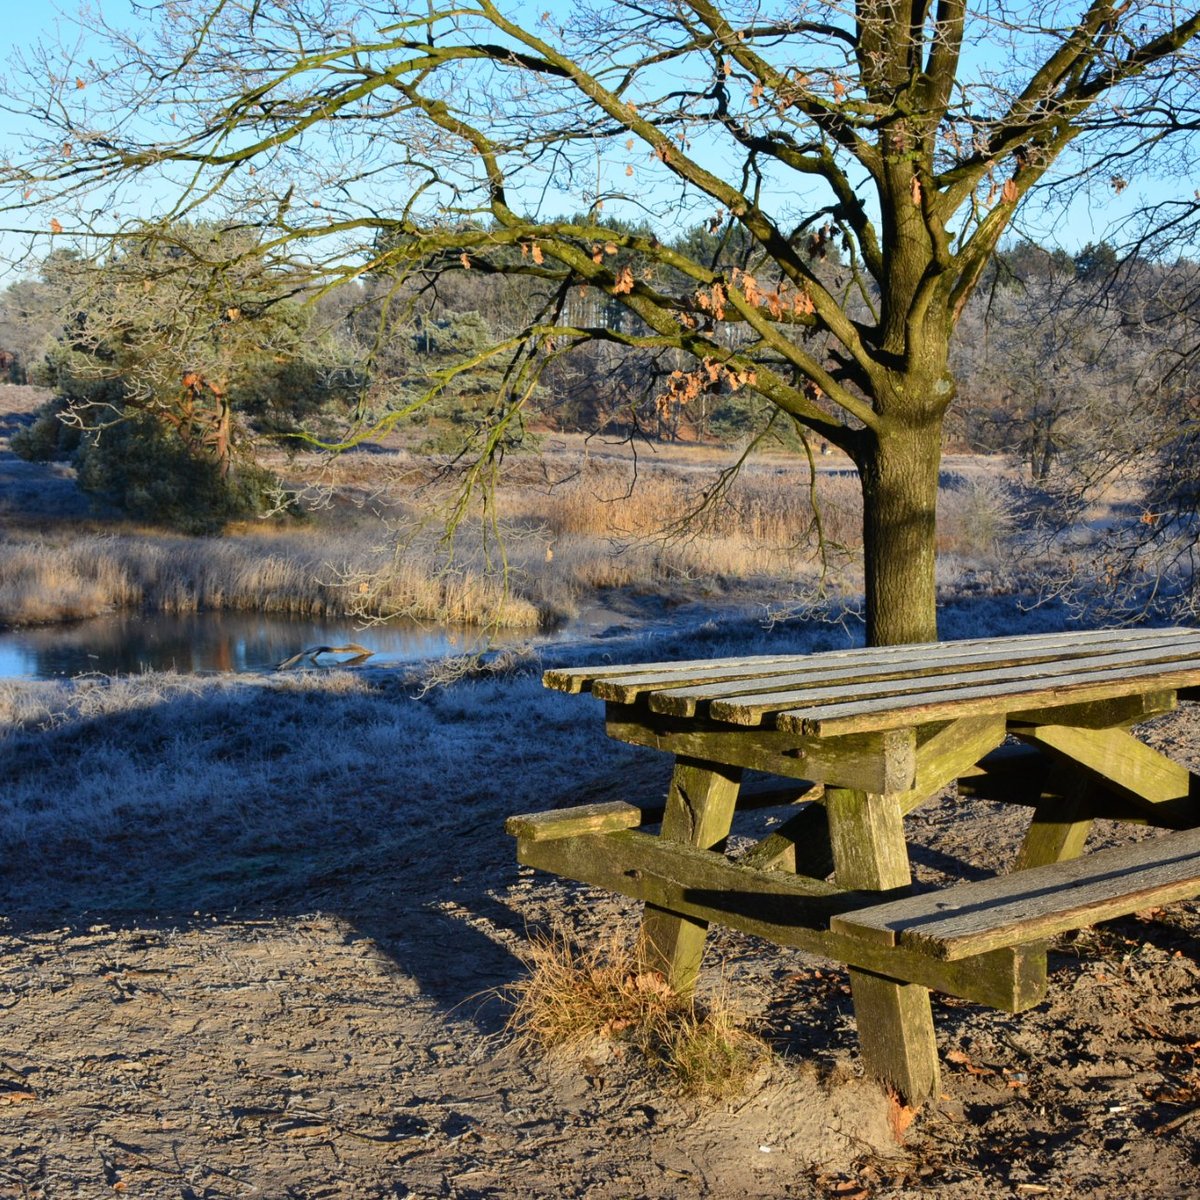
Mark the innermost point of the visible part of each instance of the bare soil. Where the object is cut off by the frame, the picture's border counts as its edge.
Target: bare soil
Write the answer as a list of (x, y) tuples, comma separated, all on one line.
[(330, 1021), (346, 1039)]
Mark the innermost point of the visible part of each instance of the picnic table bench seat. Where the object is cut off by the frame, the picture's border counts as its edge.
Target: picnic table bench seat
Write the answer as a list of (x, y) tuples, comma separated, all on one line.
[(866, 735), (1005, 910)]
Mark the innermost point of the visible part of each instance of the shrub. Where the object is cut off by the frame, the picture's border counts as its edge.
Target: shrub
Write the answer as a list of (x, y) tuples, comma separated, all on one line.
[(145, 469), (47, 437)]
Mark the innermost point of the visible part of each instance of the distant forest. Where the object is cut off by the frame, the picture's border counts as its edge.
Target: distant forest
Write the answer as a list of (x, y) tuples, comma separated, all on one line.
[(1062, 360)]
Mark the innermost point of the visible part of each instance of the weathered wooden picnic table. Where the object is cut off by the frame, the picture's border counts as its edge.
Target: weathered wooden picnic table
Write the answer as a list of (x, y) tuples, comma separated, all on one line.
[(873, 733)]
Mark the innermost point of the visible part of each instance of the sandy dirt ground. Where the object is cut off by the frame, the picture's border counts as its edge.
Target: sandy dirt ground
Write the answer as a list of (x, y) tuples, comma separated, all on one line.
[(347, 1040), (337, 1030)]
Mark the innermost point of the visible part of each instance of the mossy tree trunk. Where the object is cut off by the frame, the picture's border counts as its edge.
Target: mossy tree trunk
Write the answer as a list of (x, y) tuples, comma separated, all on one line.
[(866, 178), (899, 475)]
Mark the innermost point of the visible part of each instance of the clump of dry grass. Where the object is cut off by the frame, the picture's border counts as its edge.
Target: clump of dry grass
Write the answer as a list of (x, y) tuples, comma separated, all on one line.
[(558, 529), (572, 996)]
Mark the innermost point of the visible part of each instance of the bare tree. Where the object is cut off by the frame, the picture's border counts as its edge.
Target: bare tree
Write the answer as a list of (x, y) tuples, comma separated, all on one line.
[(864, 162)]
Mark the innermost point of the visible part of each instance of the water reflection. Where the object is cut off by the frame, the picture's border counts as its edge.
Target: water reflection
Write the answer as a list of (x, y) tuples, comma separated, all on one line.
[(129, 643)]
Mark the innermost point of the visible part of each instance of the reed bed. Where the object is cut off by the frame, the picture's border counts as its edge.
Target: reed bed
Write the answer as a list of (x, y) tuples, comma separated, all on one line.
[(301, 573), (559, 528)]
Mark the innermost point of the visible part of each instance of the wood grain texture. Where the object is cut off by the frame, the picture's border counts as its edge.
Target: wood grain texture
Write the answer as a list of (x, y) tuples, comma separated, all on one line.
[(1123, 764), (895, 1020), (747, 701), (680, 697), (570, 822), (699, 812), (1061, 821), (779, 907), (819, 719), (640, 677), (972, 918), (874, 762)]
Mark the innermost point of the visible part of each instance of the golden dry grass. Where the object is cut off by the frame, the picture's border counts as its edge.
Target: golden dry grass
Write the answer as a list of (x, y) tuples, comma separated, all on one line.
[(561, 526), (572, 996), (301, 572)]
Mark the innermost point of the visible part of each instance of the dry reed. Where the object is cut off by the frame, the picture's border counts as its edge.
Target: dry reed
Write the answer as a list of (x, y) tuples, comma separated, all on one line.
[(601, 525)]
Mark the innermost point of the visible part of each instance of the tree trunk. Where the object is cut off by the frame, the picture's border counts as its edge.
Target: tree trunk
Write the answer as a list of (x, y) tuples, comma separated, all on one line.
[(899, 471)]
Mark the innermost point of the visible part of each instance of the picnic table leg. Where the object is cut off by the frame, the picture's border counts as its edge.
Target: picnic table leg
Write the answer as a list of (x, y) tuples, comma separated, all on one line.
[(1060, 822), (699, 812), (895, 1020)]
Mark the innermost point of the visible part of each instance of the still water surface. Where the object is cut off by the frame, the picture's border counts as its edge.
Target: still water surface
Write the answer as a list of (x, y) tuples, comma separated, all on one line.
[(129, 643)]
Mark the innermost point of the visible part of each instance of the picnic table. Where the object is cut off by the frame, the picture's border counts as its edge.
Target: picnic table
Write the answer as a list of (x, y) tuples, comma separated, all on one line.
[(859, 738)]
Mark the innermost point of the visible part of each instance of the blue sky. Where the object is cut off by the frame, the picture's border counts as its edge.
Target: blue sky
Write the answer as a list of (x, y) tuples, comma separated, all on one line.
[(26, 22)]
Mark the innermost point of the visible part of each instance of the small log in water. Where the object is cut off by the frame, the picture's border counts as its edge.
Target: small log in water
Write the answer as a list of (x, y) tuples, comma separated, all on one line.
[(361, 654)]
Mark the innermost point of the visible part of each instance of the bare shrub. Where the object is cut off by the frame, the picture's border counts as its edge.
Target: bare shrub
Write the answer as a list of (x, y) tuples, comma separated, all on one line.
[(976, 517)]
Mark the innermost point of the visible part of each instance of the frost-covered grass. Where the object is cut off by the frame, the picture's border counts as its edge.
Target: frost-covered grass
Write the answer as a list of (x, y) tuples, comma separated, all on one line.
[(135, 791)]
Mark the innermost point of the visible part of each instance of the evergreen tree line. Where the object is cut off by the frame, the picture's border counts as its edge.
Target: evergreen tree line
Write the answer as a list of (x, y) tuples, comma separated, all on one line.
[(169, 368)]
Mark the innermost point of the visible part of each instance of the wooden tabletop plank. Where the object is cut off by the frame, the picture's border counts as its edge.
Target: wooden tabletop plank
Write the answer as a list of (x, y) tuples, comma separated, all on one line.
[(827, 691), (898, 712), (644, 676), (624, 688), (972, 918), (769, 682)]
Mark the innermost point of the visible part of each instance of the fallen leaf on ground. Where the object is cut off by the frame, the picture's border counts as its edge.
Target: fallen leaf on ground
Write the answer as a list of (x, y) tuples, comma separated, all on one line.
[(962, 1059), (900, 1117)]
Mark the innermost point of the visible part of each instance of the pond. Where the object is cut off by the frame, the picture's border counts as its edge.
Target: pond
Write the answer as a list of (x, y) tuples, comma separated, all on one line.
[(130, 643)]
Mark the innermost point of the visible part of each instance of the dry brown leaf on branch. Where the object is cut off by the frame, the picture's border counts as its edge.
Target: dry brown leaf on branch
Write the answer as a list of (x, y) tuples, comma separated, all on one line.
[(610, 248), (718, 301), (803, 303), (624, 282), (465, 259), (55, 225), (629, 170), (750, 289), (536, 252), (1010, 191), (916, 191)]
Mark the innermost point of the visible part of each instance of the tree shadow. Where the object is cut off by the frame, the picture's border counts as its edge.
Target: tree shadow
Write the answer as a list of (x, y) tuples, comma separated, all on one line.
[(400, 870)]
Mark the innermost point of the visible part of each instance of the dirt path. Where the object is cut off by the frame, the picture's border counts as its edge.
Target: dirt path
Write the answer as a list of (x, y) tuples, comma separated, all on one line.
[(33, 493), (345, 1040)]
